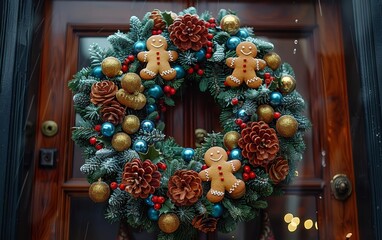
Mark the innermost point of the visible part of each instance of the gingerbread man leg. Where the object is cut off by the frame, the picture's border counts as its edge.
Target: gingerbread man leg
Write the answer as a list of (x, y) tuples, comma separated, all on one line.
[(168, 74), (253, 81), (147, 74), (216, 193), (233, 81), (236, 190)]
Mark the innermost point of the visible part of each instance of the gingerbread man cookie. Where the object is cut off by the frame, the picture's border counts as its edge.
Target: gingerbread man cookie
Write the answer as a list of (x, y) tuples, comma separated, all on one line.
[(245, 65), (220, 173), (158, 59)]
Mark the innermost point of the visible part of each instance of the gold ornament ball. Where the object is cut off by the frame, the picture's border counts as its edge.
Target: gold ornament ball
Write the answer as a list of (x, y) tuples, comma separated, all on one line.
[(265, 113), (168, 222), (130, 124), (287, 84), (230, 139), (121, 141), (230, 23), (111, 67), (287, 126), (99, 191), (273, 60), (131, 82)]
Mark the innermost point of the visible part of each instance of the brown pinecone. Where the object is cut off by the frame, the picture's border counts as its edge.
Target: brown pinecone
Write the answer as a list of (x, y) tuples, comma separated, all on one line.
[(188, 32), (278, 170), (159, 24), (259, 143), (204, 224), (185, 187), (141, 178), (103, 92), (113, 112)]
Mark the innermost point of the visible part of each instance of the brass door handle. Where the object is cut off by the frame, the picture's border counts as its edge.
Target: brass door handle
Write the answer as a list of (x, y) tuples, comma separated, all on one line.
[(341, 187), (49, 128)]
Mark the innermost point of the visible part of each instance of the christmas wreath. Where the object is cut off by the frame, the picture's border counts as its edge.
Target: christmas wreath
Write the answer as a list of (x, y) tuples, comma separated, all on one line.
[(147, 179)]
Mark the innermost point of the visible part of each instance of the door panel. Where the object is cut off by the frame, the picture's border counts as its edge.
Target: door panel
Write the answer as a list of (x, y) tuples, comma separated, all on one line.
[(306, 34)]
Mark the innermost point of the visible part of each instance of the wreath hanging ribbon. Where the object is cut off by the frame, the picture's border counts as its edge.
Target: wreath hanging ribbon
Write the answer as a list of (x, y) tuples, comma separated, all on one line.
[(150, 181)]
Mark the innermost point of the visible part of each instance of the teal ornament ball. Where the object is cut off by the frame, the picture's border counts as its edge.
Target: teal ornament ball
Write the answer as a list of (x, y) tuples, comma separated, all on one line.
[(151, 108), (97, 72), (200, 55), (180, 72), (107, 129), (140, 146), (235, 154), (147, 125), (232, 42), (155, 92), (242, 114), (275, 98), (242, 33), (188, 154), (148, 201), (217, 210), (139, 46), (153, 214)]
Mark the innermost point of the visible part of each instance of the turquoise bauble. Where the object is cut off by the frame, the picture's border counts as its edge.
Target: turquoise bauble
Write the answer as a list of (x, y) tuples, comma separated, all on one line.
[(107, 129), (97, 72), (155, 92), (235, 154), (180, 73), (242, 114), (140, 146), (139, 46), (200, 55), (147, 125), (242, 33), (232, 42), (150, 108), (148, 201), (217, 210), (188, 154), (153, 214), (275, 98)]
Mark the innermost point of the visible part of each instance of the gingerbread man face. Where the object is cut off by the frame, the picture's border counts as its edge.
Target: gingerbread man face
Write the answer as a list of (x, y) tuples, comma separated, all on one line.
[(157, 59), (245, 66), (220, 173)]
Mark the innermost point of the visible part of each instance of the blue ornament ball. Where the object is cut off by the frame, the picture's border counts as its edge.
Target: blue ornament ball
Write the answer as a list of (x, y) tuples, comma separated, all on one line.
[(151, 108), (97, 72), (232, 42), (235, 154), (200, 55), (140, 146), (107, 129), (188, 154), (153, 214), (147, 125), (148, 200), (139, 46), (156, 91), (276, 98), (180, 72), (217, 210), (242, 114), (242, 33)]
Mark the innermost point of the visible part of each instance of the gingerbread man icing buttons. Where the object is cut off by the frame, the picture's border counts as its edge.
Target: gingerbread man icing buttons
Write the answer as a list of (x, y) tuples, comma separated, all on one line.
[(245, 66), (220, 173), (158, 59)]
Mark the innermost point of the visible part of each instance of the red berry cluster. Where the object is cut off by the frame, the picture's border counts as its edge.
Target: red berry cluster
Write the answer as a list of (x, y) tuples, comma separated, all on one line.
[(195, 69), (248, 173), (268, 78), (126, 62), (162, 166), (211, 23), (94, 141), (162, 106), (239, 122), (234, 101), (158, 201), (156, 31), (115, 185), (169, 91)]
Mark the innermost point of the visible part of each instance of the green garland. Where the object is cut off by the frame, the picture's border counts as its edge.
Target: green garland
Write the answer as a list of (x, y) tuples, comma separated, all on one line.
[(239, 108)]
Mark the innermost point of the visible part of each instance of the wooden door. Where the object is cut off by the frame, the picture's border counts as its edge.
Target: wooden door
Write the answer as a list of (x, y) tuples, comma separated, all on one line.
[(307, 34)]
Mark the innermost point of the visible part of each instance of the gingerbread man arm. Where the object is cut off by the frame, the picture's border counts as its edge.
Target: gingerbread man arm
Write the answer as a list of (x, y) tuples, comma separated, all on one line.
[(172, 56), (235, 165), (142, 56), (230, 62), (204, 175)]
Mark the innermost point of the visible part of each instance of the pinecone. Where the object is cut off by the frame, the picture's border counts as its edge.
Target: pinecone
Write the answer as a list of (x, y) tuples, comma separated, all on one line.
[(259, 143), (278, 170), (141, 178), (113, 112), (103, 92), (188, 32), (81, 100), (185, 187), (159, 24), (204, 224)]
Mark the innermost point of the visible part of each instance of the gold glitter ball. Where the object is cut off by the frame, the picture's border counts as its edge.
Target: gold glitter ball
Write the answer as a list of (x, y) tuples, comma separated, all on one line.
[(230, 23), (168, 222), (121, 141), (273, 60), (286, 126), (230, 139), (265, 113), (111, 67), (131, 82), (287, 84), (130, 124), (99, 191)]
